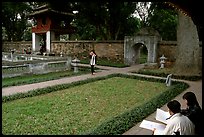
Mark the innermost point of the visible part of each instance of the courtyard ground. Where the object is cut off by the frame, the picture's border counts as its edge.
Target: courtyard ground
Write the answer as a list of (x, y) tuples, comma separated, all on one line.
[(195, 86)]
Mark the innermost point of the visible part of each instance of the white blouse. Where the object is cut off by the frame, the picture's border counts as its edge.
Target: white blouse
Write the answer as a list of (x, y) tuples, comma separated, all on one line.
[(93, 59), (178, 123)]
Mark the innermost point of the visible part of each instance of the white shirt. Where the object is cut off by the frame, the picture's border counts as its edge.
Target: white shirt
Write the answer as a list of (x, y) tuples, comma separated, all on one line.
[(178, 122), (93, 59)]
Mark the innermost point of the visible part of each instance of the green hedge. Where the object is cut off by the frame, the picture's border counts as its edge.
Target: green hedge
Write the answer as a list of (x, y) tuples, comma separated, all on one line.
[(162, 74)]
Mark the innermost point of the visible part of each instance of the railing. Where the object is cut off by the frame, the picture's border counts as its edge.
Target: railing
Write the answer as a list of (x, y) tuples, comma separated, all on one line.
[(38, 68), (15, 69)]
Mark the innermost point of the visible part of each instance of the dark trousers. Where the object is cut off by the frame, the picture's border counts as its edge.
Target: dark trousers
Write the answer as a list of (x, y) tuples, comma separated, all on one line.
[(92, 69)]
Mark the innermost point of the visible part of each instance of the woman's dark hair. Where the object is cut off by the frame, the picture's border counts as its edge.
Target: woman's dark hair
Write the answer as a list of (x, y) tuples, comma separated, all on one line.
[(94, 52), (191, 99), (174, 106)]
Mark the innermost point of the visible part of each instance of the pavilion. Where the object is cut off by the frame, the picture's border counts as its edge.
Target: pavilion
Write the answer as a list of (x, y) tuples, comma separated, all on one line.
[(49, 25)]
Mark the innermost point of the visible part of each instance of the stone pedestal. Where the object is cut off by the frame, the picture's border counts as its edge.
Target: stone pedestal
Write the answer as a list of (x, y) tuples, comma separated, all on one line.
[(162, 61), (75, 65), (168, 80)]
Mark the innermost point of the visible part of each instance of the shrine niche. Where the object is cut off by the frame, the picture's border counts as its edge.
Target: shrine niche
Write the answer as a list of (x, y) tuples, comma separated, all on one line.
[(49, 25)]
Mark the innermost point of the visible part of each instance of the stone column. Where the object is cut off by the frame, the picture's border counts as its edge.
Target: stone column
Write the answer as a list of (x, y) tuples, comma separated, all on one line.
[(33, 41), (48, 41), (187, 47)]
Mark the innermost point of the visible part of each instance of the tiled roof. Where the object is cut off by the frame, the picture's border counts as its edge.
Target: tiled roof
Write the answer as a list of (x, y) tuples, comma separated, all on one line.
[(46, 9)]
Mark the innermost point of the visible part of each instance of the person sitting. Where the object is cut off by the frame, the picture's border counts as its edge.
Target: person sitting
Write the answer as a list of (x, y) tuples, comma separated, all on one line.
[(193, 111), (177, 124), (28, 51), (41, 50)]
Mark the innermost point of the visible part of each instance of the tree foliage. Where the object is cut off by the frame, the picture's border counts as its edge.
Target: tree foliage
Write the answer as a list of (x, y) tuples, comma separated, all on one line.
[(14, 19), (164, 20), (95, 20), (105, 20), (143, 10)]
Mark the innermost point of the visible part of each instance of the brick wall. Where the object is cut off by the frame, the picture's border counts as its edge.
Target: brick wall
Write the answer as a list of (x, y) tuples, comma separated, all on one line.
[(168, 49), (18, 46), (112, 50)]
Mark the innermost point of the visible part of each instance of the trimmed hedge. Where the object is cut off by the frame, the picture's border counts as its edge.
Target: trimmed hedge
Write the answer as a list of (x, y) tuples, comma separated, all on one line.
[(121, 123), (162, 74)]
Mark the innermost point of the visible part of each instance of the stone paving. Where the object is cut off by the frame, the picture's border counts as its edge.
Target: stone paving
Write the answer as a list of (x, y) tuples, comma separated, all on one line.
[(195, 86)]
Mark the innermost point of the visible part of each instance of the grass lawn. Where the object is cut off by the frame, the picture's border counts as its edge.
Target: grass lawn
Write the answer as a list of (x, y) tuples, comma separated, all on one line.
[(78, 109), (35, 78)]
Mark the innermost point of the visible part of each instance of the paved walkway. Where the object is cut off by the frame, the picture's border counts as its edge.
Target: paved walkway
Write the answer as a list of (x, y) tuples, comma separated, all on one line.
[(196, 87), (103, 72)]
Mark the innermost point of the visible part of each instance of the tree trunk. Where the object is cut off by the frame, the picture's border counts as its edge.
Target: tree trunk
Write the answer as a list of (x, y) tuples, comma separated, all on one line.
[(187, 56)]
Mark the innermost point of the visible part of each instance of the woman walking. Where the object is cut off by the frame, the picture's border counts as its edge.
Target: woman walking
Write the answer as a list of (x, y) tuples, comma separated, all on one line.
[(92, 61)]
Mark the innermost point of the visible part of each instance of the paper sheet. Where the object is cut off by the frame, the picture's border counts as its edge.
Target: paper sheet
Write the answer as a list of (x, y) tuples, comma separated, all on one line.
[(151, 125), (162, 115)]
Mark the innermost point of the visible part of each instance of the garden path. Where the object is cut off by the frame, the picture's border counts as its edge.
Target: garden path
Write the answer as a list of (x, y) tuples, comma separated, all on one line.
[(103, 72), (195, 86)]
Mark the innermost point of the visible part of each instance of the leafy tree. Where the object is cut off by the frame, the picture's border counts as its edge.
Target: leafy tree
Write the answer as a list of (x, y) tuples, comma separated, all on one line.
[(64, 6), (27, 35), (85, 30), (164, 19), (105, 20), (143, 10), (14, 19), (99, 20), (122, 21)]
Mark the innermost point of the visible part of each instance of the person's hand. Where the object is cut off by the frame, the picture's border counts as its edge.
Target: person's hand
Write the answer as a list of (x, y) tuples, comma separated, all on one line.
[(153, 131)]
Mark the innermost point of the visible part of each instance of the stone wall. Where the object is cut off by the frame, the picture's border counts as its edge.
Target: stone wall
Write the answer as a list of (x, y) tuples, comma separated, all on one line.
[(18, 46), (76, 49), (168, 49), (112, 50)]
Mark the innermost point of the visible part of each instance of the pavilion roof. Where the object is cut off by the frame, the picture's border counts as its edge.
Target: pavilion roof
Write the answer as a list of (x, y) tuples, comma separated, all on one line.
[(44, 9)]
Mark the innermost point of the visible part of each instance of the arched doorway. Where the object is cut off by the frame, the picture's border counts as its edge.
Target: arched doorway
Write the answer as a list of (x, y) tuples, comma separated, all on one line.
[(143, 54), (139, 53)]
